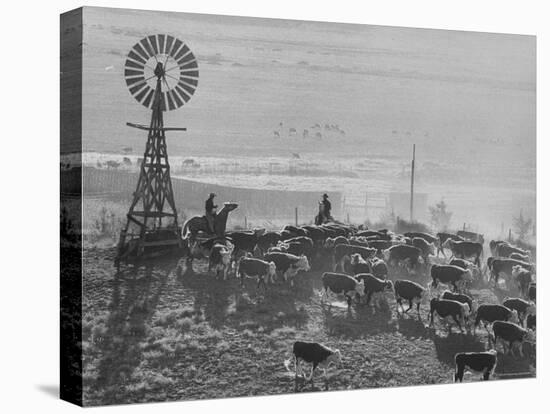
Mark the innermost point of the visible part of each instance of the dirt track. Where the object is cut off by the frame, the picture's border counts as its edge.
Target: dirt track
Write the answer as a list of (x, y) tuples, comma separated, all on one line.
[(153, 335)]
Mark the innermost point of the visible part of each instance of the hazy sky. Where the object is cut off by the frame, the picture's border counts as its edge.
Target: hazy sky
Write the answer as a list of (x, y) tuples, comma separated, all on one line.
[(447, 90)]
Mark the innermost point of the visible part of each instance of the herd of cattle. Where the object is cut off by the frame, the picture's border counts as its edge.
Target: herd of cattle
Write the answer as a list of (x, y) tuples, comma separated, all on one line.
[(362, 265)]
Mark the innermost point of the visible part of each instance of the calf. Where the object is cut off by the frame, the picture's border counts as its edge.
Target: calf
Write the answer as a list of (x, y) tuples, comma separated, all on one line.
[(288, 264), (459, 297), (523, 278), (344, 251), (449, 275), (255, 268), (359, 265), (339, 283), (316, 354), (411, 291), (512, 335), (490, 313), (484, 362), (465, 249), (374, 285), (521, 306), (219, 260), (449, 309)]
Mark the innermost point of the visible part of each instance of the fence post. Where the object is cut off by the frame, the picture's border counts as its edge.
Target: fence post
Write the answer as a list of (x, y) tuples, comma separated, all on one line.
[(509, 234), (348, 217), (296, 216), (464, 227), (245, 223)]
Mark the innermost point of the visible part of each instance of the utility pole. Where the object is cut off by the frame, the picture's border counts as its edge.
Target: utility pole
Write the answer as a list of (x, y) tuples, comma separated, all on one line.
[(412, 183)]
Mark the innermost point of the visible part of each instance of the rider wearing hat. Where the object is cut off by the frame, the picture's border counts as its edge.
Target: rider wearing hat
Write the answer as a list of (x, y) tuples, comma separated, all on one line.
[(210, 211), (326, 208)]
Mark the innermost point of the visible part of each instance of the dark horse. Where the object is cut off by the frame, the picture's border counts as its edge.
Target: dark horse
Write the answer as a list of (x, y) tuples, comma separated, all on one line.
[(196, 224)]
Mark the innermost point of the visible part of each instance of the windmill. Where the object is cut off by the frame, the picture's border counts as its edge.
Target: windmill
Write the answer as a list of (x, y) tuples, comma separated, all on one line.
[(162, 74)]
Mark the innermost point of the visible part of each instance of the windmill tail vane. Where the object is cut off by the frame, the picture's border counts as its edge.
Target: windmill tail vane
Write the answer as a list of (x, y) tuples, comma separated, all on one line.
[(162, 74)]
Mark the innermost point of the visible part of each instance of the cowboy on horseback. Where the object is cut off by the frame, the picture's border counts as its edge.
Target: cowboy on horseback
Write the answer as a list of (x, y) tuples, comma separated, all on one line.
[(210, 212), (327, 207)]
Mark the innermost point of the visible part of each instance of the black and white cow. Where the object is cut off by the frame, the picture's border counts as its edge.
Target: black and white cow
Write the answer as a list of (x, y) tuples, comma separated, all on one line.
[(410, 291), (402, 253), (449, 310), (341, 284), (379, 268), (489, 313), (506, 267), (521, 306), (315, 354), (506, 249), (483, 362), (426, 248), (442, 239), (343, 252), (359, 265), (465, 249), (459, 297), (373, 285), (219, 260), (512, 335), (450, 275), (288, 264), (265, 241), (424, 236), (255, 268)]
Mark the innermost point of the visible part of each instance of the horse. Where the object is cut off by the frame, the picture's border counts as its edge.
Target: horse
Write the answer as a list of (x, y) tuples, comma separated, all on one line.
[(198, 224)]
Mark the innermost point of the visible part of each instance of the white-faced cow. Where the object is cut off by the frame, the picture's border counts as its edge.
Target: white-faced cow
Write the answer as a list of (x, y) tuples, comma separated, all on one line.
[(450, 275), (465, 249), (341, 284), (315, 354), (258, 269), (521, 306), (219, 260), (489, 313), (288, 264), (482, 362), (409, 291), (450, 310), (374, 286), (511, 335)]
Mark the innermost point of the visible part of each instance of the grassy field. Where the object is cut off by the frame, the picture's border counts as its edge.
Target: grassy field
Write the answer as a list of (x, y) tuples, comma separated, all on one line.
[(155, 335)]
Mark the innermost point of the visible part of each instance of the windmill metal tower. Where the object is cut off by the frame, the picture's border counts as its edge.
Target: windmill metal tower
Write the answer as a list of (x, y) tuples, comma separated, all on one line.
[(162, 74)]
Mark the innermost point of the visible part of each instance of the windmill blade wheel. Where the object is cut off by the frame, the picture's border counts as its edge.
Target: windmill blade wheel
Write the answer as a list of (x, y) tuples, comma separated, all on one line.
[(162, 57)]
